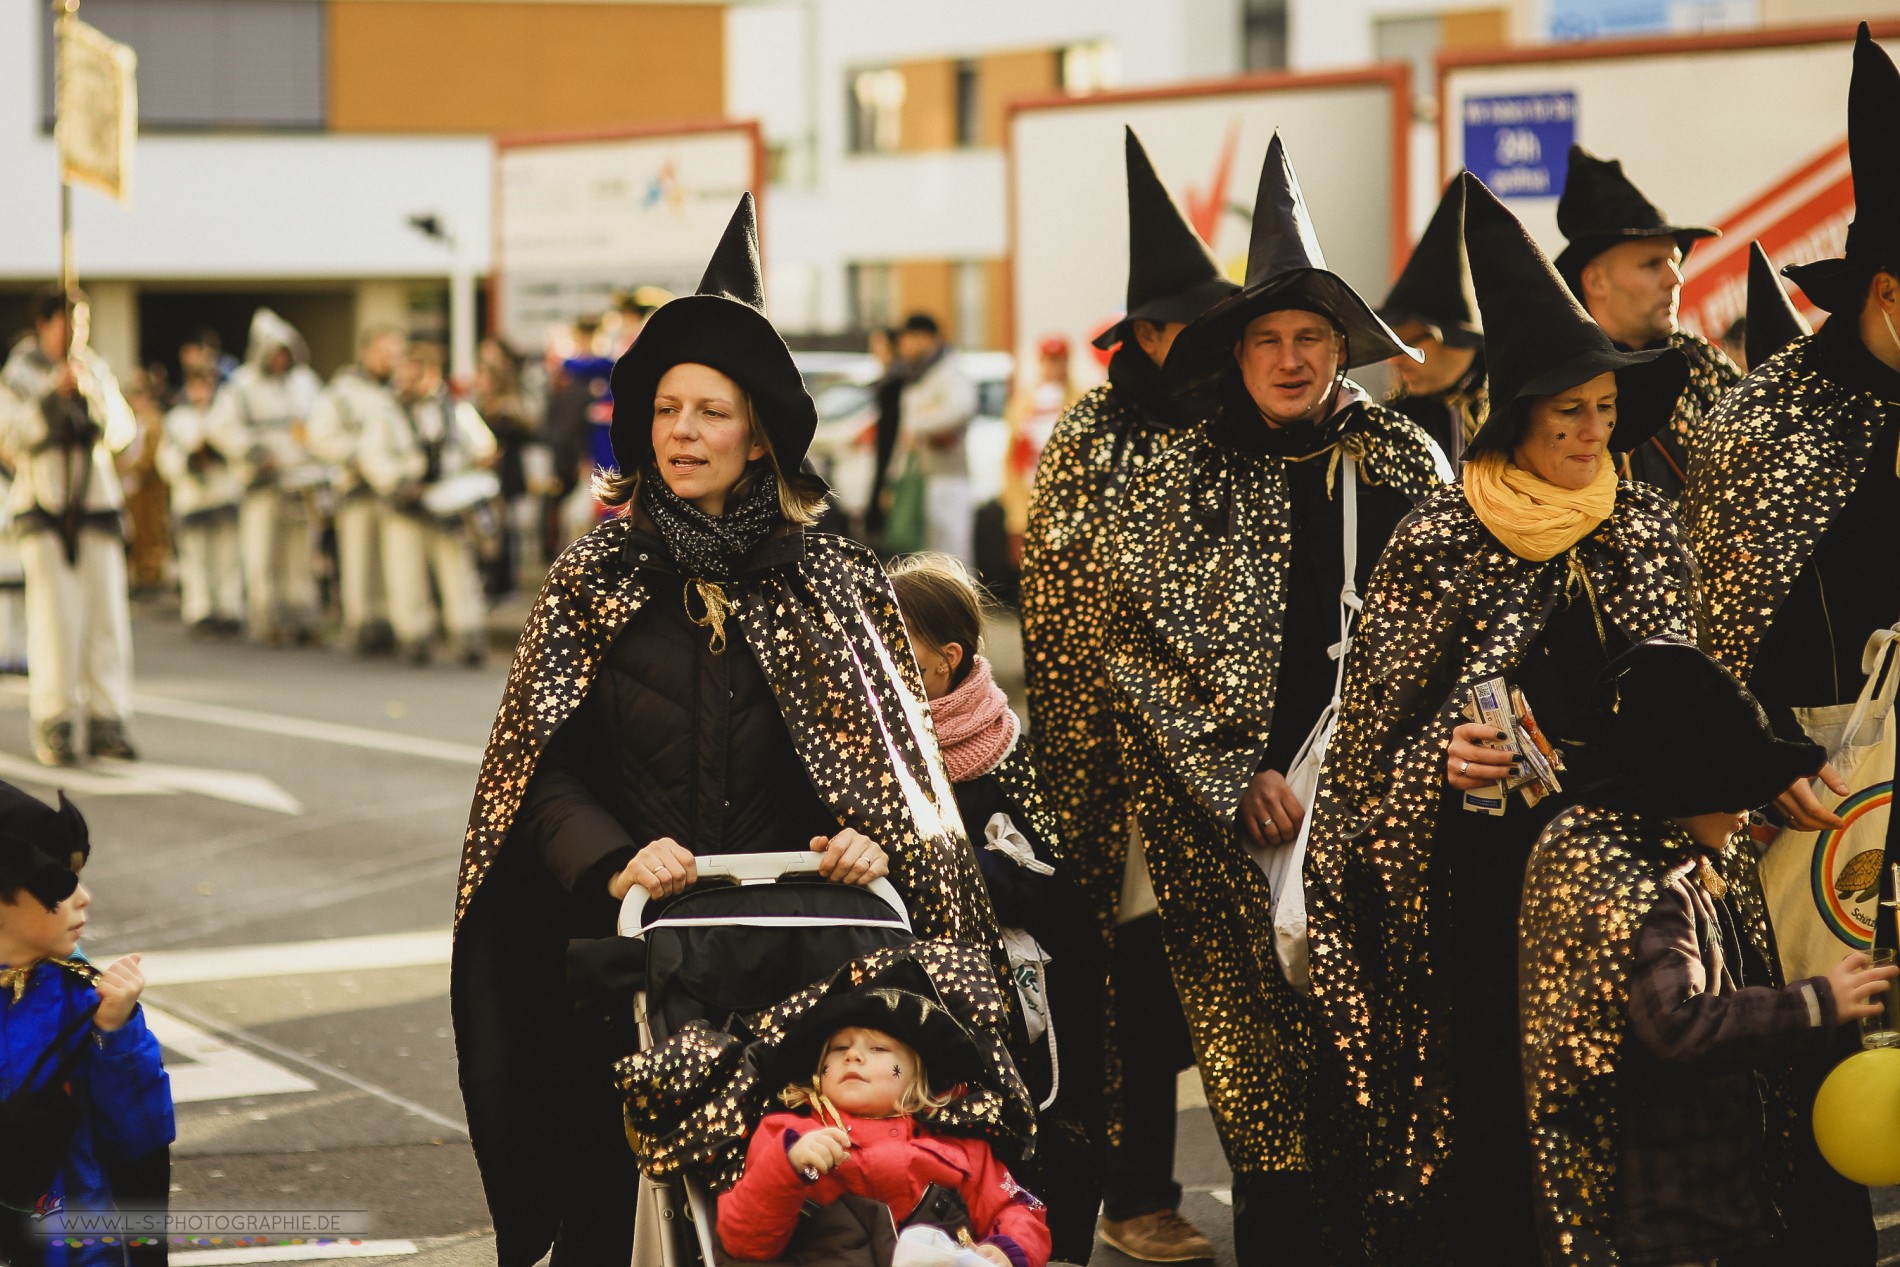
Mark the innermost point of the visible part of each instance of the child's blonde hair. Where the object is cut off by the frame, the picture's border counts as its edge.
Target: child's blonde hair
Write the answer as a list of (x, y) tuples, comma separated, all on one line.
[(914, 1100)]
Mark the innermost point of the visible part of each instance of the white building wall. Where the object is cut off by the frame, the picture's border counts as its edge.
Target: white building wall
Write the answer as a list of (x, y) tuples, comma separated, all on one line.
[(787, 65), (220, 209)]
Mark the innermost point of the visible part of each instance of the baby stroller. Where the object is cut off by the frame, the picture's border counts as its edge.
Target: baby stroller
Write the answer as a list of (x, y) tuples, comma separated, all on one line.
[(756, 929)]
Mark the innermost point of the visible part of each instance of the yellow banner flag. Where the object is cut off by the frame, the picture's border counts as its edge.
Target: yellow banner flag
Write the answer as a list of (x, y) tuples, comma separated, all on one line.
[(98, 109)]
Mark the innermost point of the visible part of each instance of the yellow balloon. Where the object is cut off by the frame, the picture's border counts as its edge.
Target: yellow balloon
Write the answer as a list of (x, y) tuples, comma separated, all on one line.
[(1857, 1117)]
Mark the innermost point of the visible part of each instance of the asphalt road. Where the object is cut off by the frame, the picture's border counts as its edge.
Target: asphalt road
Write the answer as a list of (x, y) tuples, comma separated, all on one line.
[(284, 854)]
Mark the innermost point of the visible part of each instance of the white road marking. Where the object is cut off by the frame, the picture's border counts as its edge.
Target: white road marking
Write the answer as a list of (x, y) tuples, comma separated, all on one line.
[(305, 728), (217, 1070), (292, 1253), (78, 780), (235, 786), (293, 958), (232, 1033)]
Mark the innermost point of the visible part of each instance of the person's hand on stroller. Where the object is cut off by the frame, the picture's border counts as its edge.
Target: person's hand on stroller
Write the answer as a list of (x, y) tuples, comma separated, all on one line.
[(851, 858), (816, 1154), (663, 868)]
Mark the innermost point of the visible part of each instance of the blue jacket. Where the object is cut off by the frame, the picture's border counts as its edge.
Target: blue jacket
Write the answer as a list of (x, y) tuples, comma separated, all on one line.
[(124, 1096)]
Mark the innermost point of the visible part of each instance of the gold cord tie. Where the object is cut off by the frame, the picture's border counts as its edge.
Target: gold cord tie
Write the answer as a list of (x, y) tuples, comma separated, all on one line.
[(718, 607), (1579, 576), (1352, 444)]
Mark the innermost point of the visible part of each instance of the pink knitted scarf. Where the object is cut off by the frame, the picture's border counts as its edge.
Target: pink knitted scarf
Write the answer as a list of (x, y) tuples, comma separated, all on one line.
[(974, 724)]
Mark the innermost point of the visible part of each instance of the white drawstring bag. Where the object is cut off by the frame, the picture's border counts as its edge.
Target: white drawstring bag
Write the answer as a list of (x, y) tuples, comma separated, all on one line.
[(1284, 864)]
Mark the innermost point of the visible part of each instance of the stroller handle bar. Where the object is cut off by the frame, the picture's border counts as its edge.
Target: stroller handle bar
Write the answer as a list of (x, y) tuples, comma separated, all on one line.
[(752, 868)]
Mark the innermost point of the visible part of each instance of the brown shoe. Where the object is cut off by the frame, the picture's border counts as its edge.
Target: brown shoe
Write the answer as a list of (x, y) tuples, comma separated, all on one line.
[(1161, 1237)]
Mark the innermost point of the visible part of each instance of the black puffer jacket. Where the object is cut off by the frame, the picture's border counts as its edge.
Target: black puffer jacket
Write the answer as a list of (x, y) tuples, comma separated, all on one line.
[(671, 741)]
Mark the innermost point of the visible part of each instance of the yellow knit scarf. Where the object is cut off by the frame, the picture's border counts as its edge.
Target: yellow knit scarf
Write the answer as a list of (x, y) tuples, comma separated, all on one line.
[(1534, 518)]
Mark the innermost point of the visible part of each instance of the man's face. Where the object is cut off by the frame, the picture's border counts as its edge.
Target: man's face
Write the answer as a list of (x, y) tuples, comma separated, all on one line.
[(915, 345), (55, 336), (1444, 365), (1288, 360), (1633, 288), (381, 354), (1157, 338)]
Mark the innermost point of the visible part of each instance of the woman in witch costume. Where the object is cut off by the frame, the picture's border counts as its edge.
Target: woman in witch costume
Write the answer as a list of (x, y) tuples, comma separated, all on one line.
[(699, 675), (1540, 567)]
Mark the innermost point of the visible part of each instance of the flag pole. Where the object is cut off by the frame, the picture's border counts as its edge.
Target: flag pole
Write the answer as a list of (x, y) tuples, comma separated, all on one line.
[(67, 10)]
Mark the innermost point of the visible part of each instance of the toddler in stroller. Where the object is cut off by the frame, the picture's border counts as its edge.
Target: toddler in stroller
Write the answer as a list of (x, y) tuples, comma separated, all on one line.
[(886, 1059), (736, 976)]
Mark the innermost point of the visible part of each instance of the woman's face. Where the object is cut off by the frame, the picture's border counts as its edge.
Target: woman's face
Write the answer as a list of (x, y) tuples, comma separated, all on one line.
[(702, 435), (865, 1071), (1567, 440)]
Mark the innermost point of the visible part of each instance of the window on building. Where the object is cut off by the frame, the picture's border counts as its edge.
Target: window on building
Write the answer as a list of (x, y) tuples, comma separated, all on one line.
[(212, 63), (1263, 34), (876, 104), (1092, 67), (969, 104), (872, 295)]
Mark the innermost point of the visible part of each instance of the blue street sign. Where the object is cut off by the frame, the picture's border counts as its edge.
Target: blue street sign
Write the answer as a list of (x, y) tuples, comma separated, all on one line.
[(1520, 145)]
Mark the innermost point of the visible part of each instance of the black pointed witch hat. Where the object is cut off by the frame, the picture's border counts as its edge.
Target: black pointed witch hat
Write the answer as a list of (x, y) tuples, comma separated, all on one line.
[(42, 849), (1773, 322), (723, 325), (1285, 269), (1172, 276), (1600, 207), (1873, 240), (1435, 287), (1539, 341)]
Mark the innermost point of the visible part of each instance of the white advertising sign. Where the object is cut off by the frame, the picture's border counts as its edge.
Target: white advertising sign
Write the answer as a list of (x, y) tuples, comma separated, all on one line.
[(1677, 113), (576, 220), (1069, 200)]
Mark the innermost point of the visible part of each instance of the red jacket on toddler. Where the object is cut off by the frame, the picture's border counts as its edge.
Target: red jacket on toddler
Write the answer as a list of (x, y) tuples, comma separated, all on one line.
[(891, 1161)]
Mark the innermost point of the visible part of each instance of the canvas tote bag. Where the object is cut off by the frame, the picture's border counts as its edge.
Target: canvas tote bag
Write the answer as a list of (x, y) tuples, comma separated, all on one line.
[(1824, 887)]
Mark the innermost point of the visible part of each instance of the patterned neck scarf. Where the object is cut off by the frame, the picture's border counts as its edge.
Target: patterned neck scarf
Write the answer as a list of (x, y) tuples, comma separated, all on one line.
[(711, 547)]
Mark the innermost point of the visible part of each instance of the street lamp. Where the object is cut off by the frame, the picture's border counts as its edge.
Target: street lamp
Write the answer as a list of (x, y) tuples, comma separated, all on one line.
[(461, 296)]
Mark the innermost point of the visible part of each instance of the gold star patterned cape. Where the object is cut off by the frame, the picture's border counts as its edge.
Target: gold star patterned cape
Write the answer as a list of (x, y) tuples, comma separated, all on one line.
[(1448, 605), (1593, 879), (1097, 447), (1711, 375), (827, 636), (695, 1099), (1198, 599), (1784, 453)]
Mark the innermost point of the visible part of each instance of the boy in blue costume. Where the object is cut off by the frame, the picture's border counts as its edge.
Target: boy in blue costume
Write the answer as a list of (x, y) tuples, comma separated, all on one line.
[(85, 1106)]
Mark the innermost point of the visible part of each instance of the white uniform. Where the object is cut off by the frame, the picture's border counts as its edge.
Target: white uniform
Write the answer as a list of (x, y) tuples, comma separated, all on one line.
[(259, 420), (206, 490), (935, 416), (68, 508), (348, 405), (435, 440)]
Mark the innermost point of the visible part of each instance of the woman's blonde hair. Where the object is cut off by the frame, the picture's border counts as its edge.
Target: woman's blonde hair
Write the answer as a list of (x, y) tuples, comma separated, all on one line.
[(915, 1099), (798, 501)]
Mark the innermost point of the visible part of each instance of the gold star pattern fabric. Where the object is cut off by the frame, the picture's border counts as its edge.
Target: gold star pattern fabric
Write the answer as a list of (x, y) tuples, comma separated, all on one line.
[(1670, 454), (1099, 444), (1593, 879), (1783, 454), (694, 1099), (1447, 606), (1198, 595), (828, 636)]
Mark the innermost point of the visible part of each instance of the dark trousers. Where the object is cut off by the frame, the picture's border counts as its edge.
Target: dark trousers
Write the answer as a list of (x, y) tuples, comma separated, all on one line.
[(1151, 1036), (1275, 1220)]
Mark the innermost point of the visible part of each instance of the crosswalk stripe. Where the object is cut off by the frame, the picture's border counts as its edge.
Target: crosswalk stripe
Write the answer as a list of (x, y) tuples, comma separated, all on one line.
[(295, 958), (216, 1069), (305, 728)]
